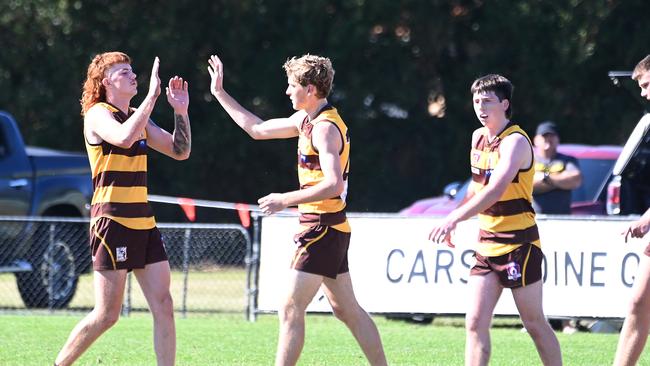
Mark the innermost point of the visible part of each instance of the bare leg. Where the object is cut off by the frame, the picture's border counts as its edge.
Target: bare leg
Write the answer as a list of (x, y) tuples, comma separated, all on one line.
[(529, 303), (485, 292), (341, 296), (109, 292), (637, 323), (302, 288), (154, 280)]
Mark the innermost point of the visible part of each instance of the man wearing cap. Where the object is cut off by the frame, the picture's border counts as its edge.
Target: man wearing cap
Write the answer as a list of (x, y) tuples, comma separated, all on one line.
[(555, 174)]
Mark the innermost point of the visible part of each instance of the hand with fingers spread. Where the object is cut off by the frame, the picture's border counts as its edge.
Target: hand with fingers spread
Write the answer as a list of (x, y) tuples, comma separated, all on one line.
[(272, 203), (442, 232), (638, 228), (178, 95), (215, 69), (154, 81)]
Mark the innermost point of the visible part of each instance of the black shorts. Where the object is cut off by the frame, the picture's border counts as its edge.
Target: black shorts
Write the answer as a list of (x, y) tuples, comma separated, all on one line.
[(321, 250), (114, 246), (521, 267)]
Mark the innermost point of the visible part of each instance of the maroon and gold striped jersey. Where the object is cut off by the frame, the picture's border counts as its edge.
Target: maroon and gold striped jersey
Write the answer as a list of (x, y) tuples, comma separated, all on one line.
[(330, 211), (510, 222), (120, 180)]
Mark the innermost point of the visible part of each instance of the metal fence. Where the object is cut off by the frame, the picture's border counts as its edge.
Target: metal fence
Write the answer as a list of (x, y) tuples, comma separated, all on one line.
[(45, 264)]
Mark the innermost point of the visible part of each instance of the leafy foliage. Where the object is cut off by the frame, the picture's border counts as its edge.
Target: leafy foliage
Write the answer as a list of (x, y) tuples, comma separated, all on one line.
[(402, 83)]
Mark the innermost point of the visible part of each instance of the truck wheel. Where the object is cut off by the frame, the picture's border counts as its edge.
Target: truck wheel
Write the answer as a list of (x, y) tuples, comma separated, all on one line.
[(53, 282)]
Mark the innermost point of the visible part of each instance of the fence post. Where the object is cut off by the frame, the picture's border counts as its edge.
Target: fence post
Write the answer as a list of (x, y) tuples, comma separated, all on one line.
[(252, 264), (126, 307), (186, 265), (50, 272)]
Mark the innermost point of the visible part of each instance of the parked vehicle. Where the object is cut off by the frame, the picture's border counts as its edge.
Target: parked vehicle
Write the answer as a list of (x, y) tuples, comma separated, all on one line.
[(628, 192), (596, 163), (41, 182)]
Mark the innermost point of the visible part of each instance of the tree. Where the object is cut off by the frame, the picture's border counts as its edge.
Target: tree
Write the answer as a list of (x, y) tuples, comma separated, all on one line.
[(403, 71)]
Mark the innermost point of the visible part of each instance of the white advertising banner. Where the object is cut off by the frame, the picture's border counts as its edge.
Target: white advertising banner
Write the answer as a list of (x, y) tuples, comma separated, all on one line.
[(588, 268)]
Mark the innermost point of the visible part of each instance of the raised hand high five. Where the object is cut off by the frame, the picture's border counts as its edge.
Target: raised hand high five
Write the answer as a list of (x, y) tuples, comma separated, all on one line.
[(154, 81), (178, 95), (215, 69)]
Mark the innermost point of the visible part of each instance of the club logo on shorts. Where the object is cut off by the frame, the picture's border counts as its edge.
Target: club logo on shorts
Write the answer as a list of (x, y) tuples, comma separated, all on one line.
[(514, 271), (120, 254)]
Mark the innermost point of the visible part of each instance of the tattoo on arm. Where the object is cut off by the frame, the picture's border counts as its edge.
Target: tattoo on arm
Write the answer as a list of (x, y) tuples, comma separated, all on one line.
[(182, 135)]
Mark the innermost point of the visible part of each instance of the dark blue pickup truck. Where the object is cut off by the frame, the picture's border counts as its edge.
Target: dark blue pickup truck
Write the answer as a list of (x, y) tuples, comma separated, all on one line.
[(42, 182)]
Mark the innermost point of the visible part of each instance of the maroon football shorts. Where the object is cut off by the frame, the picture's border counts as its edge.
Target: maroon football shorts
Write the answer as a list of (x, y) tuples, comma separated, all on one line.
[(519, 268), (321, 250), (114, 246)]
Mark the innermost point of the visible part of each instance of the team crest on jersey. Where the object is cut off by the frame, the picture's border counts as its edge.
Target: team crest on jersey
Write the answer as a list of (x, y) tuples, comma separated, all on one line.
[(514, 271), (120, 254), (476, 157)]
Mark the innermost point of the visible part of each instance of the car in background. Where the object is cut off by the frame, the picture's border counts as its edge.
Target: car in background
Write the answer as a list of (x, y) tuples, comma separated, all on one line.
[(46, 259), (596, 164), (628, 192)]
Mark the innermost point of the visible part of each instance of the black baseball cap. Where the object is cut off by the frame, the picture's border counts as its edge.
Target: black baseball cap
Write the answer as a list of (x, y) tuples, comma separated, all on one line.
[(547, 127)]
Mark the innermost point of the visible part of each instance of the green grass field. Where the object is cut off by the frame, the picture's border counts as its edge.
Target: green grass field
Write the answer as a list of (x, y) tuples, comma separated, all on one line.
[(231, 340)]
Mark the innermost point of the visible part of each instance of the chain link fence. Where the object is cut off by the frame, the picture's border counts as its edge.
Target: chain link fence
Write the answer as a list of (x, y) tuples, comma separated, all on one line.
[(45, 264)]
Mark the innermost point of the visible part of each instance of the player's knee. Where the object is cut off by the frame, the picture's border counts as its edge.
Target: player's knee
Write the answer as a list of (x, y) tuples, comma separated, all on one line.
[(164, 307), (639, 305), (107, 319), (535, 324), (168, 305), (290, 311), (341, 313), (473, 324)]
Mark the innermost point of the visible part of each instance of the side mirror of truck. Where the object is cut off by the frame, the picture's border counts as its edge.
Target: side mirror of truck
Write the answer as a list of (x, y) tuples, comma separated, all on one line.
[(452, 189)]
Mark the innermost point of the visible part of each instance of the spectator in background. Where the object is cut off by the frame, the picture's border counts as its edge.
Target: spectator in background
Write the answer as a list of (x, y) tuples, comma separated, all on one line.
[(555, 174), (637, 322)]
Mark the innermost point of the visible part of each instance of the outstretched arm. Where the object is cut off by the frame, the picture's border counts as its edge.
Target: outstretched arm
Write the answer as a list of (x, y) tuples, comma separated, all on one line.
[(179, 144), (255, 127), (100, 122)]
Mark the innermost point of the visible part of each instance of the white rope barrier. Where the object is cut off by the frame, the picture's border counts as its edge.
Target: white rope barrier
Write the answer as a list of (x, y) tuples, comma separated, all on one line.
[(215, 204)]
